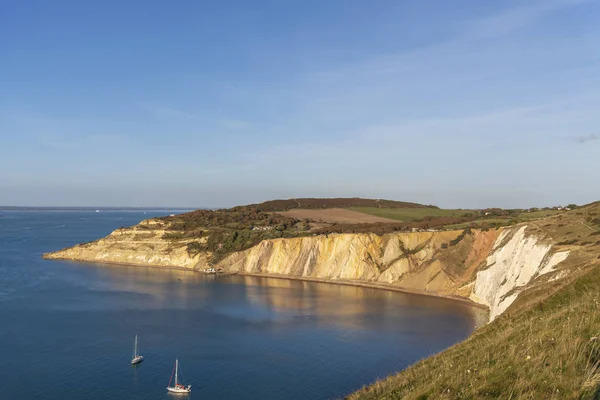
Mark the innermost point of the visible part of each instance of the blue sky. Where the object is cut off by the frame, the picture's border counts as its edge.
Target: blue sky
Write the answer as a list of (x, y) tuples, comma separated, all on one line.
[(216, 103)]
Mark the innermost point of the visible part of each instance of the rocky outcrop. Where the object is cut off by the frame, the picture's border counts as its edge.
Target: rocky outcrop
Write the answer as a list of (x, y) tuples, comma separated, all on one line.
[(489, 267)]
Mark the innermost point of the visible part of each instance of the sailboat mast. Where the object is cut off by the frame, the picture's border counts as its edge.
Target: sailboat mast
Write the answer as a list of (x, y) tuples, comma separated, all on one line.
[(135, 347), (176, 368)]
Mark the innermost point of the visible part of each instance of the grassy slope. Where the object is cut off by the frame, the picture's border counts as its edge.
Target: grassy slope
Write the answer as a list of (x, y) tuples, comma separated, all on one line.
[(409, 214), (221, 232), (543, 347), (526, 216), (543, 353), (490, 221)]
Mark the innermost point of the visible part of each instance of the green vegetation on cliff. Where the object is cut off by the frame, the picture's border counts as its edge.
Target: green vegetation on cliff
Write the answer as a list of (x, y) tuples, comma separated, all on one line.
[(222, 232), (245, 217)]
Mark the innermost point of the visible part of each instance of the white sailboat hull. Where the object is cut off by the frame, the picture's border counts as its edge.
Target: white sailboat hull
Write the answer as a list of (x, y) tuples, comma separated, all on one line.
[(137, 360), (180, 390)]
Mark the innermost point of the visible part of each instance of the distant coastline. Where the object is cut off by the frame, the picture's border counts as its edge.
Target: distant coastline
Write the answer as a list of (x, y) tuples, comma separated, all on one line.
[(93, 209)]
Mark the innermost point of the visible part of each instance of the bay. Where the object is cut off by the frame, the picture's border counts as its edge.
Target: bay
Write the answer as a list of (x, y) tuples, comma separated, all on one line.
[(67, 329)]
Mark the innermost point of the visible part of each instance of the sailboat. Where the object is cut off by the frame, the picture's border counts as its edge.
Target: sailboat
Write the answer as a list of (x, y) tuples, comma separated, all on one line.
[(177, 387), (136, 359)]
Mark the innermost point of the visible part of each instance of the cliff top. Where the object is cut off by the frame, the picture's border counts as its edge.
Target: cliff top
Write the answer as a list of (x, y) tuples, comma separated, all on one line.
[(221, 232), (340, 202)]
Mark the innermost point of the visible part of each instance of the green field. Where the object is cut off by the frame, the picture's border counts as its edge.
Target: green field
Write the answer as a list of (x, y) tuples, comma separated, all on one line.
[(410, 214), (478, 223), (528, 216)]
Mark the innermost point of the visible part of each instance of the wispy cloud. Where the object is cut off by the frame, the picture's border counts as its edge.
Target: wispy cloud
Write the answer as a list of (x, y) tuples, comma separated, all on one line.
[(169, 112), (59, 132), (408, 62), (85, 142), (501, 134), (517, 18), (586, 138), (196, 120)]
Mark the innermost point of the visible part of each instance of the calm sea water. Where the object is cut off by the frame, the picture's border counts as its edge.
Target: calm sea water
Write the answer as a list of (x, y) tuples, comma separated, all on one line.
[(67, 329)]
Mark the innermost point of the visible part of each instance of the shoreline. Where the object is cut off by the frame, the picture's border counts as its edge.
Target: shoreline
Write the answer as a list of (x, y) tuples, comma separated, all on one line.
[(368, 285), (79, 261)]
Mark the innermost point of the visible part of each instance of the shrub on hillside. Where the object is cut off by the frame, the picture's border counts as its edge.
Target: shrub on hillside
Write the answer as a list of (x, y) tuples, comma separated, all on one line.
[(459, 238)]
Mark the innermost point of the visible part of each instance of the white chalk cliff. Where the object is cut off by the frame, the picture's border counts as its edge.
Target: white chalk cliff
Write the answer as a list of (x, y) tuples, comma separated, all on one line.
[(515, 261)]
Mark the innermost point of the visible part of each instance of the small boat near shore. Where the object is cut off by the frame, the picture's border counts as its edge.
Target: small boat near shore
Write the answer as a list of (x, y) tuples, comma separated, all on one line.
[(177, 387), (209, 271), (136, 358)]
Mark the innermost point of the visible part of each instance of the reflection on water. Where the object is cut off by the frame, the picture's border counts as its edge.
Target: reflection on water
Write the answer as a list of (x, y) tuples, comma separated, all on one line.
[(345, 304), (279, 298), (72, 325)]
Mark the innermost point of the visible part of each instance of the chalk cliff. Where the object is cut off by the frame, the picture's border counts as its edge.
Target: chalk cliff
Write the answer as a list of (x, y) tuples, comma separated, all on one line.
[(514, 262), (489, 267)]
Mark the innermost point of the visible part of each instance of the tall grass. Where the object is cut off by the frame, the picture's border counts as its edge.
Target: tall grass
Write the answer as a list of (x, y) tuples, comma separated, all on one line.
[(550, 351)]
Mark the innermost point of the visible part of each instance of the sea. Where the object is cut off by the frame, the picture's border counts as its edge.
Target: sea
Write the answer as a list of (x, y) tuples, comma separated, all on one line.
[(67, 329)]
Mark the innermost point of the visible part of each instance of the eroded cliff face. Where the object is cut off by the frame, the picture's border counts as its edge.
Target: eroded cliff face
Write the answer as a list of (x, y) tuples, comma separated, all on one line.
[(416, 261), (490, 267), (516, 260), (144, 244)]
